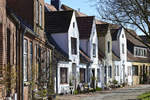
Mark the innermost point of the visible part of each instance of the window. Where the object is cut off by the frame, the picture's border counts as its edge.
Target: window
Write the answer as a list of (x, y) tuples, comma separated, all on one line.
[(123, 48), (149, 70), (144, 52), (94, 50), (98, 75), (31, 59), (63, 75), (122, 35), (108, 46), (140, 52), (117, 70), (135, 70), (82, 75), (25, 62), (39, 63), (73, 24), (74, 45), (40, 16), (129, 71), (37, 11), (110, 72)]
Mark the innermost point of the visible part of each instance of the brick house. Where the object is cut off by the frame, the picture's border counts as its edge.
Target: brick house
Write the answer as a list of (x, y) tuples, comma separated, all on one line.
[(25, 51)]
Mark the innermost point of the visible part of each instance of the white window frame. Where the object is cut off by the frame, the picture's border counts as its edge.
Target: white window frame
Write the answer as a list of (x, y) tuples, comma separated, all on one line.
[(139, 52)]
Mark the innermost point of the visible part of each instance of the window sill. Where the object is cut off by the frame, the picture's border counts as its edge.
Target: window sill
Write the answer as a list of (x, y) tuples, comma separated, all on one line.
[(63, 83)]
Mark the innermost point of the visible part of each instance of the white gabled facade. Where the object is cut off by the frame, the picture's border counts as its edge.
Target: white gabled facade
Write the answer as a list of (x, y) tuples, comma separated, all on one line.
[(94, 66), (64, 41), (119, 46), (90, 47)]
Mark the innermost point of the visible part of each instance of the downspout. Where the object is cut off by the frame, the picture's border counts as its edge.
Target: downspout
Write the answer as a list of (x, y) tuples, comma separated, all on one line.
[(56, 75)]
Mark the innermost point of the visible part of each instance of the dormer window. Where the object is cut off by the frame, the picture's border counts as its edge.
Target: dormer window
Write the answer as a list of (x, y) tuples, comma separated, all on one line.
[(73, 45), (140, 52)]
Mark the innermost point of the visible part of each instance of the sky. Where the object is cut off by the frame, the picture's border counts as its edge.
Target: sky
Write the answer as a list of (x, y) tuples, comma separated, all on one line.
[(85, 6)]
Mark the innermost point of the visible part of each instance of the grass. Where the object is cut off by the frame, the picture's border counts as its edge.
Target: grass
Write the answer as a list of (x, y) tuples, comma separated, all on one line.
[(144, 96)]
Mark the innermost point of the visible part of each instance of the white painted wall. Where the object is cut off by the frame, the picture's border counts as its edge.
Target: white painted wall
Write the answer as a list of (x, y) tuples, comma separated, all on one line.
[(129, 72), (108, 56), (117, 77), (63, 88), (117, 48), (123, 56), (73, 32), (64, 42)]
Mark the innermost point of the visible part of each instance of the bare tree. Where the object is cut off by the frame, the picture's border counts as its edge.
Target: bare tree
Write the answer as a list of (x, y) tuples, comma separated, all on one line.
[(127, 13)]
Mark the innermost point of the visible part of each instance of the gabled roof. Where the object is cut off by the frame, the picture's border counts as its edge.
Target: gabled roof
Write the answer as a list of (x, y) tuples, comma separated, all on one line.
[(50, 7), (132, 38), (115, 57), (85, 26), (84, 58), (102, 29), (101, 55), (114, 34), (58, 21), (79, 14), (59, 54), (145, 39)]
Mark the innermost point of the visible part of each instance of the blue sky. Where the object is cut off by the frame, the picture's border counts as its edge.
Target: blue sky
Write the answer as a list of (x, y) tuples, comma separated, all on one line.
[(85, 6)]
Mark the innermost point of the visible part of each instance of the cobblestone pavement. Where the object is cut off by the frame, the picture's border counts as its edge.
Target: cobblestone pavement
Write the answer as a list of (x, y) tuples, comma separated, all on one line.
[(128, 93)]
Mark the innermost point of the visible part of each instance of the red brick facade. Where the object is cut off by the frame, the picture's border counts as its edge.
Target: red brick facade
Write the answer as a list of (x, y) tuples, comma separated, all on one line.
[(12, 35)]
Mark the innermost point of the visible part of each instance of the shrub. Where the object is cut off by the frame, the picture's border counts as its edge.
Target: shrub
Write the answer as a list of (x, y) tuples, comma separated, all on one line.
[(98, 89), (115, 82), (75, 92)]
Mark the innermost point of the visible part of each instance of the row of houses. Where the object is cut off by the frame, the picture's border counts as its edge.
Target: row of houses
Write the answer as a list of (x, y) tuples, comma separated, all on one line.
[(55, 48)]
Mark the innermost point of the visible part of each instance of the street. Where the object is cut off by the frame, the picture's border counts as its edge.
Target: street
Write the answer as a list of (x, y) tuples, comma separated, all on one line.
[(128, 93)]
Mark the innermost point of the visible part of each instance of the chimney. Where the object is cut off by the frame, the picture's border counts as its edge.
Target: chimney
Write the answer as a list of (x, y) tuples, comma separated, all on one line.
[(56, 4)]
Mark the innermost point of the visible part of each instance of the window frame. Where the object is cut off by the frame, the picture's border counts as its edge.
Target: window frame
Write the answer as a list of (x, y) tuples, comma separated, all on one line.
[(123, 48), (108, 46), (140, 52), (135, 70), (73, 46), (82, 72), (94, 50), (61, 75), (37, 11), (25, 61), (40, 14)]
